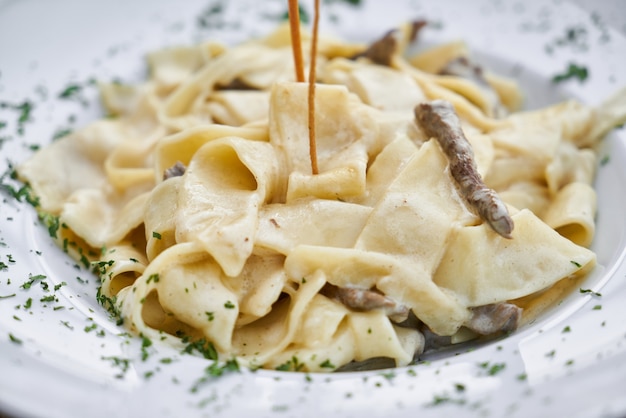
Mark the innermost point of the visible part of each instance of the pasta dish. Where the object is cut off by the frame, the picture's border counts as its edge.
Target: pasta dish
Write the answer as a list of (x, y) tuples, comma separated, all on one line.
[(441, 212)]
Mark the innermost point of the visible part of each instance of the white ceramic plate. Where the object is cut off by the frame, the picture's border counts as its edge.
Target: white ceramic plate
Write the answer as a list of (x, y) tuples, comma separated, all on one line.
[(61, 356)]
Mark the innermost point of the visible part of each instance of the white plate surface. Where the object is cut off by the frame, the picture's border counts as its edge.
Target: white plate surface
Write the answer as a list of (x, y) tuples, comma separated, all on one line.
[(65, 358)]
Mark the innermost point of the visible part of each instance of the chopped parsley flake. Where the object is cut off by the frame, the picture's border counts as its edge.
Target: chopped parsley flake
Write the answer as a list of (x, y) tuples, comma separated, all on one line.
[(60, 133), (573, 71), (70, 91), (156, 235), (291, 365), (445, 399), (24, 110), (145, 343), (492, 369), (75, 92), (67, 325), (32, 280), (153, 278), (215, 370), (49, 298), (14, 339), (327, 364), (110, 304), (101, 267), (204, 347), (90, 328), (22, 194), (122, 363), (590, 291), (229, 305)]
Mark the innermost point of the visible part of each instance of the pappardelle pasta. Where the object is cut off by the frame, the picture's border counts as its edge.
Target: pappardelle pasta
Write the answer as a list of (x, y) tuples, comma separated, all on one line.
[(197, 205)]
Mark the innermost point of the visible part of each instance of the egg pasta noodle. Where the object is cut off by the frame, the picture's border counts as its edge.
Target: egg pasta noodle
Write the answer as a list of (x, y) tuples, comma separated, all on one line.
[(198, 205)]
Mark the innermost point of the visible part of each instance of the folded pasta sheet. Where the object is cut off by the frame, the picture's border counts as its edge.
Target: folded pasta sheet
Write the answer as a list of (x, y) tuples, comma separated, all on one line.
[(198, 205)]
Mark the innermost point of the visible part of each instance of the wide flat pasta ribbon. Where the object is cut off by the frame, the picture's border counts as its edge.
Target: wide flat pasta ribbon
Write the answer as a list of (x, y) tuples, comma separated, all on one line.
[(224, 186), (160, 217), (282, 226), (572, 213), (72, 163), (181, 146), (254, 64), (407, 284), (170, 67), (124, 263), (236, 108), (381, 87), (345, 132), (482, 268), (102, 218)]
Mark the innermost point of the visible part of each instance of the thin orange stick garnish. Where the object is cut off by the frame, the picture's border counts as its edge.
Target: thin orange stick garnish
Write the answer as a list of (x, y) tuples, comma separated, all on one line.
[(296, 43), (312, 143)]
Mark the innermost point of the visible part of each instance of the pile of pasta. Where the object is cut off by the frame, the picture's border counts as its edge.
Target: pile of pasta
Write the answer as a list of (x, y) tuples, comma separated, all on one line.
[(198, 199)]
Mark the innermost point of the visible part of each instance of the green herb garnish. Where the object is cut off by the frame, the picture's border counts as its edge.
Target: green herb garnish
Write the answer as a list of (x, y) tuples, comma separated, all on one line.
[(327, 364), (590, 291), (153, 278), (145, 343), (204, 347), (492, 369), (291, 365), (573, 71), (110, 304)]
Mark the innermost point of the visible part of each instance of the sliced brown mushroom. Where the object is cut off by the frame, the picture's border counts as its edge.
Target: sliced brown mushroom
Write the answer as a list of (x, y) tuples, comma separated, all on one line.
[(235, 84), (439, 120), (464, 68), (366, 300), (176, 170), (494, 318), (382, 50)]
